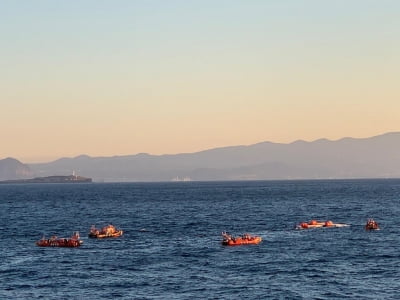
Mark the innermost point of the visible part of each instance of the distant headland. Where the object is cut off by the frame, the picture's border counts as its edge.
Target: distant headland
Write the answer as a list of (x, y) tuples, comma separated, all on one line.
[(51, 179)]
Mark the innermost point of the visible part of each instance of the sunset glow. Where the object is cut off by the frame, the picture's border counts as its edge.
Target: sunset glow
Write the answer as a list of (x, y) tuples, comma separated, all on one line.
[(107, 78)]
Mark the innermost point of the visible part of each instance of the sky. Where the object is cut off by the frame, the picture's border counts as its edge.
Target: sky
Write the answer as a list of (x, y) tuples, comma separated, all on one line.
[(106, 78)]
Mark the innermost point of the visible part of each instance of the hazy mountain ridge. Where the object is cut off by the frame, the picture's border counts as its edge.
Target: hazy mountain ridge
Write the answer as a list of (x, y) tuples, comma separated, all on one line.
[(375, 157), (12, 169)]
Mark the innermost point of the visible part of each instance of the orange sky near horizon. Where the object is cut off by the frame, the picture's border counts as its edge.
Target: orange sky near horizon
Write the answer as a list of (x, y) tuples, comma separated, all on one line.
[(162, 78)]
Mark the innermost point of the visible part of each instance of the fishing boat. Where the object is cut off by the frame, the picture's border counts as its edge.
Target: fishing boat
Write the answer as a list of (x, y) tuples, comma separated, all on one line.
[(105, 232), (72, 242), (245, 239)]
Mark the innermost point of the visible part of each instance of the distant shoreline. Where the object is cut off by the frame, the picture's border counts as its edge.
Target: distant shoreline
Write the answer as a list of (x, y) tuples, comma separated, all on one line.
[(51, 179)]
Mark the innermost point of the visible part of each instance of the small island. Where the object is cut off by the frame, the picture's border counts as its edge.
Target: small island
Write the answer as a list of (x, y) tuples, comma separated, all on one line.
[(52, 179)]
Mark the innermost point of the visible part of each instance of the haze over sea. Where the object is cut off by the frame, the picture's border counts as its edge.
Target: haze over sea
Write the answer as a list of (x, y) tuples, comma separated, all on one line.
[(171, 247)]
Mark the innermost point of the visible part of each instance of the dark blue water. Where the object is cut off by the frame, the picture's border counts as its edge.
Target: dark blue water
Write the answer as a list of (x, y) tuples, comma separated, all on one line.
[(171, 246)]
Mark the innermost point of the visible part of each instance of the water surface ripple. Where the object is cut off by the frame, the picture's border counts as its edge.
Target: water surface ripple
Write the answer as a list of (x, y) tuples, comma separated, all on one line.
[(171, 246)]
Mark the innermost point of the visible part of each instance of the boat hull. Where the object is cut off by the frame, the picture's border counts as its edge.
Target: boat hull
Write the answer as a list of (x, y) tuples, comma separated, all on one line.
[(368, 227), (314, 224), (65, 243), (239, 241)]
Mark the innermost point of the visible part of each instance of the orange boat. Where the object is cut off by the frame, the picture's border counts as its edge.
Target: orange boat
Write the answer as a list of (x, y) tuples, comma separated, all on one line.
[(106, 232), (318, 224), (371, 225), (71, 242), (245, 239)]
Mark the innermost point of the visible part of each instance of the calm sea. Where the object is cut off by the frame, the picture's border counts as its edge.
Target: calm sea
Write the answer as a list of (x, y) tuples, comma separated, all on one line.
[(171, 248)]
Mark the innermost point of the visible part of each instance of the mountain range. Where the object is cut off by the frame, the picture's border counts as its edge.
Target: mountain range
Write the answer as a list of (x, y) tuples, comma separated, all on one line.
[(374, 157), (11, 169)]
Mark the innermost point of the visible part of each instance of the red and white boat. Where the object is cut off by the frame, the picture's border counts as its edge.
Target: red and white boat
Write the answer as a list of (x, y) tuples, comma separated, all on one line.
[(72, 242), (245, 239), (319, 224)]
